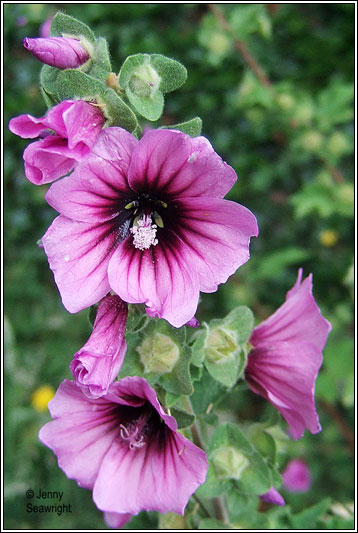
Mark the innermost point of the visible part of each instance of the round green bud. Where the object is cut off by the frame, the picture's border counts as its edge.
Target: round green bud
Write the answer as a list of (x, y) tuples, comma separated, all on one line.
[(144, 81), (158, 354), (229, 463), (221, 345), (312, 141), (219, 44)]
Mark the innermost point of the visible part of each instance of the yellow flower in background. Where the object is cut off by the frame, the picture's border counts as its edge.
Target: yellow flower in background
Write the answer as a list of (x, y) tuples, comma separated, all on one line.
[(328, 238), (41, 398)]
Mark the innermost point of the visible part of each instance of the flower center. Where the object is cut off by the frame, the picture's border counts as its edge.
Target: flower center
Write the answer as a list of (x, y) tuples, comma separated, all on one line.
[(144, 233), (134, 433)]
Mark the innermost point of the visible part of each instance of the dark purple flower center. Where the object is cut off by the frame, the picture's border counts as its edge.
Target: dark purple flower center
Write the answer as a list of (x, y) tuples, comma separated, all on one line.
[(138, 425)]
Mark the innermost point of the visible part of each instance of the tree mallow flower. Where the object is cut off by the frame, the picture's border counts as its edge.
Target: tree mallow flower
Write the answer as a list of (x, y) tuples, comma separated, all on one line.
[(59, 52), (124, 447), (68, 131), (296, 477), (97, 364), (147, 219), (286, 356)]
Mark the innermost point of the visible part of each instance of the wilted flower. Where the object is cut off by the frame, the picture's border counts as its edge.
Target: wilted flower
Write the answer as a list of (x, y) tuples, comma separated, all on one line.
[(68, 131), (59, 52), (297, 476), (97, 364), (286, 356), (272, 496), (124, 447), (147, 219)]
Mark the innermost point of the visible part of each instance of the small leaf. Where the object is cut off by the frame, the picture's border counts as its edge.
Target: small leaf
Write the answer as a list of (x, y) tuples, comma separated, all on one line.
[(191, 127), (49, 99), (173, 74), (308, 518), (117, 112), (131, 64), (207, 391), (183, 418), (101, 63), (64, 24), (48, 79), (150, 107), (72, 83)]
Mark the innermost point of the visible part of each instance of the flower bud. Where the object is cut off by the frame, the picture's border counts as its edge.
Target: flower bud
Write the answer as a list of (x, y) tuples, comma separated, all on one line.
[(59, 52), (158, 354), (221, 345), (144, 81), (229, 463)]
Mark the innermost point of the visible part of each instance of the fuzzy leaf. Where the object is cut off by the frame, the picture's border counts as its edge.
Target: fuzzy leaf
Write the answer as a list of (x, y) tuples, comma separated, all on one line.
[(173, 74), (72, 83), (64, 24), (191, 127), (150, 107)]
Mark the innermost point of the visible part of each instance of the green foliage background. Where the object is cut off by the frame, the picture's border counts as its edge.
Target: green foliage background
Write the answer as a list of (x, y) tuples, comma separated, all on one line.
[(291, 144)]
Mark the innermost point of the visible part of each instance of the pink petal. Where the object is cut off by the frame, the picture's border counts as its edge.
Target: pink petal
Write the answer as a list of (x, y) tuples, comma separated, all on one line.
[(97, 189), (217, 232), (83, 122), (116, 520), (284, 373), (81, 437), (97, 364), (272, 496), (46, 160), (160, 477), (298, 318), (78, 254), (177, 165), (163, 277), (59, 52), (29, 127)]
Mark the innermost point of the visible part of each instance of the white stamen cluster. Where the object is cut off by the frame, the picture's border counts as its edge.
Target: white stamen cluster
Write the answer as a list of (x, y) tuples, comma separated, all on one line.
[(133, 436), (144, 233)]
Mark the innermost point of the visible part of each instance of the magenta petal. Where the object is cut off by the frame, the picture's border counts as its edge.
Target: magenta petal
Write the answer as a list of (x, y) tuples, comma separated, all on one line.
[(78, 254), (285, 373), (94, 191), (80, 434), (163, 277), (116, 520), (272, 496), (45, 162), (298, 318), (97, 364), (59, 52), (83, 122), (217, 232), (178, 165), (297, 476), (27, 126)]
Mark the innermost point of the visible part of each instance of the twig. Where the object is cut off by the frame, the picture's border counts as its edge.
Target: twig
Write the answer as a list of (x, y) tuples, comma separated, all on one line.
[(341, 423), (241, 47)]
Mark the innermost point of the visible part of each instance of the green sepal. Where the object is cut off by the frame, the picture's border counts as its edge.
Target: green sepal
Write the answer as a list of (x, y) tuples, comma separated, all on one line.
[(49, 99), (173, 74), (150, 108), (101, 63), (191, 127), (65, 25), (255, 477), (48, 80), (117, 112)]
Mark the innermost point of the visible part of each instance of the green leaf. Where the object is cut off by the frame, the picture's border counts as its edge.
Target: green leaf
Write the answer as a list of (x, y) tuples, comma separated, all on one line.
[(277, 261), (73, 83), (48, 80), (191, 127), (149, 107), (101, 63), (183, 417), (117, 112), (207, 391), (65, 25), (247, 19), (49, 99), (130, 65), (308, 518), (173, 74)]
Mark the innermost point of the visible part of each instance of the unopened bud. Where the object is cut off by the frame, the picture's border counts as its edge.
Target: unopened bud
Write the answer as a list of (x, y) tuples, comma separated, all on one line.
[(229, 463), (221, 345), (145, 81), (59, 52), (158, 354)]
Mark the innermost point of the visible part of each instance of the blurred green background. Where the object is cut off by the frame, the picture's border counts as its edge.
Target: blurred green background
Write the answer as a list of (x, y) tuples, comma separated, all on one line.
[(291, 144)]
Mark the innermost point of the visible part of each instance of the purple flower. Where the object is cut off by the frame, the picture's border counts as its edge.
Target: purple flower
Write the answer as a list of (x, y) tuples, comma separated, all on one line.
[(69, 131), (59, 52), (124, 447), (272, 496), (286, 356), (297, 476), (97, 364), (147, 220)]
